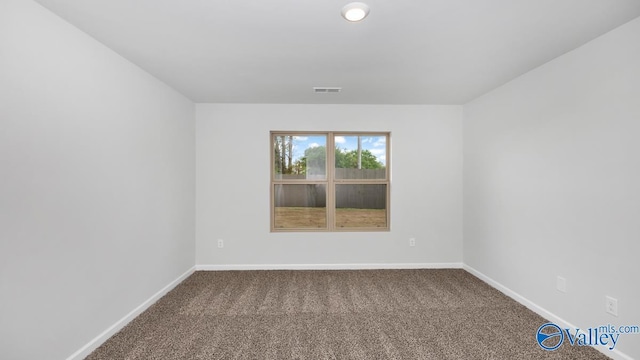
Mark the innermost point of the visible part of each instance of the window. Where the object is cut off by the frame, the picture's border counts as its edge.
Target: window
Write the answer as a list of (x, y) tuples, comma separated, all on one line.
[(330, 181)]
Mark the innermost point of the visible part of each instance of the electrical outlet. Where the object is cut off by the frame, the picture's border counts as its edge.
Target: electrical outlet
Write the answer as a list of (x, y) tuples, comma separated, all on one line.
[(412, 242), (611, 305), (220, 243), (561, 284)]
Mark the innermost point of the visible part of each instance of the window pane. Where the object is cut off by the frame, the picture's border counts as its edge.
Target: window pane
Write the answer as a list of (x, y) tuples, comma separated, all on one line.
[(361, 157), (300, 157), (300, 206), (361, 205)]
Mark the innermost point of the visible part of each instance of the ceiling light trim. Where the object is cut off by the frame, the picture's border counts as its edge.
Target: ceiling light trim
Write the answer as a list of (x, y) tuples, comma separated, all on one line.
[(355, 11)]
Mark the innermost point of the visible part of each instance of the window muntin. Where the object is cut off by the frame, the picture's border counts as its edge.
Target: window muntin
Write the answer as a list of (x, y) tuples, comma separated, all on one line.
[(326, 181)]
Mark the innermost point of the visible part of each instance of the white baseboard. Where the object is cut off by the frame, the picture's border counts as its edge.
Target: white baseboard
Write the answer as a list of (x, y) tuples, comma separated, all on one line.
[(105, 335), (207, 267), (614, 354), (100, 339)]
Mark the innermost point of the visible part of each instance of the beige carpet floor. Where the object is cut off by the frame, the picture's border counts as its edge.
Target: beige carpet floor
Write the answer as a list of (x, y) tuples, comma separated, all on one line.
[(367, 314)]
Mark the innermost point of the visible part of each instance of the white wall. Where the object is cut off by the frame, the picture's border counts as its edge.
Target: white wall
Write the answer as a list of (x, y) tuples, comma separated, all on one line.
[(552, 183), (96, 187), (232, 186)]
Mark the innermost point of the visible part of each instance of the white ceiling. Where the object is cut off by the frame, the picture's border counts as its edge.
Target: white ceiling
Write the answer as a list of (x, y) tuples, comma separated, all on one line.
[(404, 52)]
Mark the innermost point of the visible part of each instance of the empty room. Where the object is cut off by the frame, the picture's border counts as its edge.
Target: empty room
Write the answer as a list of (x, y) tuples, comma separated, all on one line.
[(209, 179)]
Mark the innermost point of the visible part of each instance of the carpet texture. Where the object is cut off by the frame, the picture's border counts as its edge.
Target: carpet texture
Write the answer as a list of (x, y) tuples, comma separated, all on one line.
[(367, 314)]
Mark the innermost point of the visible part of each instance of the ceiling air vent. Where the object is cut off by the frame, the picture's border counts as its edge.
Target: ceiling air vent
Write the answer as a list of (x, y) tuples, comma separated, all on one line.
[(325, 90)]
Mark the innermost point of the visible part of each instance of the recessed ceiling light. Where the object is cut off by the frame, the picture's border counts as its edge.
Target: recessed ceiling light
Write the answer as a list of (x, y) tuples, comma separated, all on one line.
[(355, 11)]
